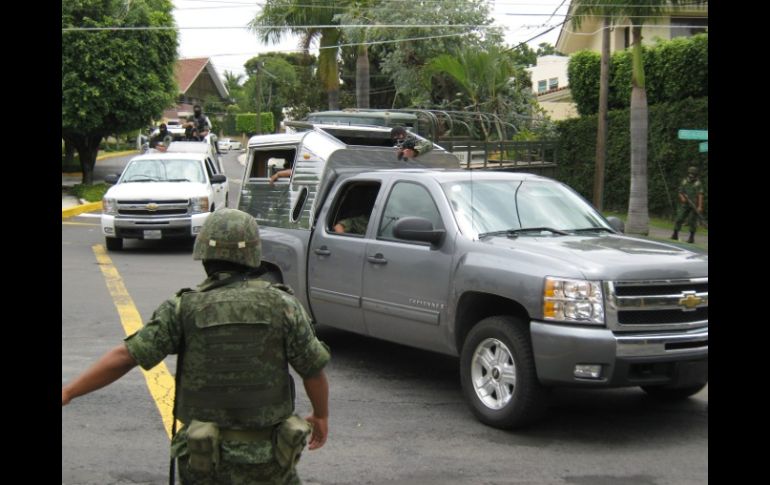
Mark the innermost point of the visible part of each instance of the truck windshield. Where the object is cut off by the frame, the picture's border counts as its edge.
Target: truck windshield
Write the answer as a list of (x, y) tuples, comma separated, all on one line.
[(163, 171), (499, 206)]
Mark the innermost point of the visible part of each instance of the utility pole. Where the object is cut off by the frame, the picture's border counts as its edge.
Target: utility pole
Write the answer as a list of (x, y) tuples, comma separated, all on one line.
[(258, 79)]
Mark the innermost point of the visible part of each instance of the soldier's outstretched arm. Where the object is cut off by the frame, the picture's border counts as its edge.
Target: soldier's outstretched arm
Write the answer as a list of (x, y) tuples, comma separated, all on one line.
[(109, 368), (317, 389)]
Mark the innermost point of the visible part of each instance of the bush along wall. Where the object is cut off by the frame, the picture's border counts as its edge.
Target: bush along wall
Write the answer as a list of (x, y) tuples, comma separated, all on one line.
[(674, 70), (667, 156)]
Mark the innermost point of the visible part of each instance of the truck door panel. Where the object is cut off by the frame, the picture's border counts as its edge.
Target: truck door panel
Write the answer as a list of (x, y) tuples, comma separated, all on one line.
[(406, 283)]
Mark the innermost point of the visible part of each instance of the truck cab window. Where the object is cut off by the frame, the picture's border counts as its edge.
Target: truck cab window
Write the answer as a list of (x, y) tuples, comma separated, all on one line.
[(408, 200), (353, 208)]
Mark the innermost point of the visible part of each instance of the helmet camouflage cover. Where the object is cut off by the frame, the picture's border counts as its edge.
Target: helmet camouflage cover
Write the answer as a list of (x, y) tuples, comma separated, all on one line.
[(229, 235)]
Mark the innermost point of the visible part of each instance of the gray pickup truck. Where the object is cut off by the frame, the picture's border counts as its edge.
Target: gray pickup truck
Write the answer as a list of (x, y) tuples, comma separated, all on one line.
[(514, 273)]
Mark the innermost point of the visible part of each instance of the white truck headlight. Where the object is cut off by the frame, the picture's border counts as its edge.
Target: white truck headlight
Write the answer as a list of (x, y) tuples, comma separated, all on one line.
[(578, 301), (199, 204), (109, 206)]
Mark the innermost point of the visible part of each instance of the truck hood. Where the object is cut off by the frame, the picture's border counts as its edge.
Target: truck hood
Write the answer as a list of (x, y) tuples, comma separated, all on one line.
[(609, 256), (157, 190)]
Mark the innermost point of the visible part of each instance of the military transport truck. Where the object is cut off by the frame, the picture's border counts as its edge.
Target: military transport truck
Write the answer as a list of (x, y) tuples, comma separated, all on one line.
[(514, 273)]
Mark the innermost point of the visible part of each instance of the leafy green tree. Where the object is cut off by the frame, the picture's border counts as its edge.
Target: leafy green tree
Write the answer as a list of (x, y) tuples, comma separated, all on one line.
[(485, 78), (403, 60), (279, 17), (278, 80), (114, 81), (637, 13)]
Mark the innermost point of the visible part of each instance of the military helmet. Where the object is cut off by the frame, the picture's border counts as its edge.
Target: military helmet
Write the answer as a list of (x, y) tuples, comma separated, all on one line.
[(692, 170), (229, 235)]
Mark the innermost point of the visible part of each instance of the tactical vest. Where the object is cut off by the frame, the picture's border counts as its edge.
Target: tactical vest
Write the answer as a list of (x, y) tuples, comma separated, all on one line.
[(234, 371)]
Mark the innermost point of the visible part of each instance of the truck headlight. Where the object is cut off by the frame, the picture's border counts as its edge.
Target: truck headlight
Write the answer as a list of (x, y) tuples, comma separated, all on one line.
[(109, 206), (568, 300), (199, 204)]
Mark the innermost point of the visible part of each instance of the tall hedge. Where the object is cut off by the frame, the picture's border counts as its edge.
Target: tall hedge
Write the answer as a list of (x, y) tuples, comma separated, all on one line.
[(667, 159), (247, 123), (674, 70)]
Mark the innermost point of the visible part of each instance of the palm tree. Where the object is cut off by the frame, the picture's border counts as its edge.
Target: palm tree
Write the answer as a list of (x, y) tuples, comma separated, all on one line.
[(637, 13), (483, 75), (281, 16), (232, 81)]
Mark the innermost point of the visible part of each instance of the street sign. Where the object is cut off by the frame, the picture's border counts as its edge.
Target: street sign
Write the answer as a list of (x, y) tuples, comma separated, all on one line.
[(703, 146), (693, 134)]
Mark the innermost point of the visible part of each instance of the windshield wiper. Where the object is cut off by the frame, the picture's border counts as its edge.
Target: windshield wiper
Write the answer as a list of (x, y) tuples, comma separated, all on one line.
[(516, 232), (592, 229), (141, 180), (177, 180)]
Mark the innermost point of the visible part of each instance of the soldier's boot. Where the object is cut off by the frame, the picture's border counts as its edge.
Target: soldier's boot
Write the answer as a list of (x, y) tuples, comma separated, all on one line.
[(691, 239), (675, 235)]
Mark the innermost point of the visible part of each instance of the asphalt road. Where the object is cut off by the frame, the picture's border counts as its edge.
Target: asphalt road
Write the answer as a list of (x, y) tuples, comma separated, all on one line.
[(397, 414)]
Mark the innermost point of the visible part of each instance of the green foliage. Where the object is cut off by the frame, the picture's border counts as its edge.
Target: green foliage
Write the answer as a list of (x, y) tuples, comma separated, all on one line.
[(668, 157), (674, 70), (247, 123), (116, 81), (91, 193)]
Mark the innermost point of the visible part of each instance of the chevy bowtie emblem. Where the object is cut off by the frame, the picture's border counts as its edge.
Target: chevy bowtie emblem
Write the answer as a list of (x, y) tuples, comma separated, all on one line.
[(690, 301), (152, 206)]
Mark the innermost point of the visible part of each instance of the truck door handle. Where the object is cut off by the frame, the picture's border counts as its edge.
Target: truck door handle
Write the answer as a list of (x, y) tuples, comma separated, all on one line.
[(322, 251), (377, 259)]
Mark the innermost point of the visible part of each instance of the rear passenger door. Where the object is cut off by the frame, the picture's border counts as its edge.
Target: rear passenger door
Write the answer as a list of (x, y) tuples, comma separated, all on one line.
[(335, 260)]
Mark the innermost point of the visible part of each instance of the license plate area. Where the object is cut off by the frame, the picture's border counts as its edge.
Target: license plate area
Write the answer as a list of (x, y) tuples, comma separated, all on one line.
[(153, 234)]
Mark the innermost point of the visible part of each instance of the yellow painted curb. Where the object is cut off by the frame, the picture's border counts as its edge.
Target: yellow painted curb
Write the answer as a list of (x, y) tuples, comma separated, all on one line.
[(115, 154), (79, 209)]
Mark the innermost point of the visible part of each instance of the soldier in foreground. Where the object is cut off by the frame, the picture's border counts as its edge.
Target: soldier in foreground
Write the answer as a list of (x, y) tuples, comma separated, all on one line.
[(235, 337), (690, 204)]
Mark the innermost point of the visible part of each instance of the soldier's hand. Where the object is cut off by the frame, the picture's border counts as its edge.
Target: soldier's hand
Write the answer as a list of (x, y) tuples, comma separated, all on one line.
[(320, 431), (65, 397)]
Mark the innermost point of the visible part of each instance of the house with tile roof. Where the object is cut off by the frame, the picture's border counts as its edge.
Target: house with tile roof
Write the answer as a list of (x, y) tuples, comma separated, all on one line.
[(549, 76), (197, 80)]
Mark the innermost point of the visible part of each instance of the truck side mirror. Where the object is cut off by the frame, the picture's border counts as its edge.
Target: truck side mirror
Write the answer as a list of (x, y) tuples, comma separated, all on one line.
[(617, 224), (218, 179), (418, 229), (112, 178)]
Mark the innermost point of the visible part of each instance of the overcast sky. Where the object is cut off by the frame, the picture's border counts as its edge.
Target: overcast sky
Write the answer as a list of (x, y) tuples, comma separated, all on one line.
[(229, 44)]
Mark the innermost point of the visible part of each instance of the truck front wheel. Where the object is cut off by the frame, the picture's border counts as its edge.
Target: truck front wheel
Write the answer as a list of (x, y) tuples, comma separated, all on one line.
[(497, 372)]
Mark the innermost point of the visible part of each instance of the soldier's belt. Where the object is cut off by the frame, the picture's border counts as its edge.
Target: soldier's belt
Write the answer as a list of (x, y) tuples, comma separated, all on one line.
[(246, 435)]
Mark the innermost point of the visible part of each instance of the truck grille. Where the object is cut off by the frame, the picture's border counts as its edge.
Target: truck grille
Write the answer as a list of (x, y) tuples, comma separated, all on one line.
[(153, 208), (657, 305)]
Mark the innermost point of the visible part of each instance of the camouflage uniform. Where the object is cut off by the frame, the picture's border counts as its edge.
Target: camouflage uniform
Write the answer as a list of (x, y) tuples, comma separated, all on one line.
[(355, 225), (237, 337), (690, 188)]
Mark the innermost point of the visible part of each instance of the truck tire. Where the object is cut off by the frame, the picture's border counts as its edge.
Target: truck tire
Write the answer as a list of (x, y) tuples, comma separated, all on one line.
[(272, 277), (673, 393), (113, 243), (497, 372)]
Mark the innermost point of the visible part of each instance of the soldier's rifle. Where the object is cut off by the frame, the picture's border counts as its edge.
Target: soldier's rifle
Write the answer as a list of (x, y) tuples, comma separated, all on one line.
[(695, 208)]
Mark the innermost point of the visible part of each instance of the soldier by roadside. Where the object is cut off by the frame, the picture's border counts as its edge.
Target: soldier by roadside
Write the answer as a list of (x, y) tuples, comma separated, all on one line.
[(235, 336), (690, 204)]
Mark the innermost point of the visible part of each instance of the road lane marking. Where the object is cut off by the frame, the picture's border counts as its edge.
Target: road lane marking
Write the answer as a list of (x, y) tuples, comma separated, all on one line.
[(65, 223), (159, 379)]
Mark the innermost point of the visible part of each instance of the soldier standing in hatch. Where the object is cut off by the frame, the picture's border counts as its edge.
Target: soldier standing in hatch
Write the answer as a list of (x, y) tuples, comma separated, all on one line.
[(690, 204), (235, 336)]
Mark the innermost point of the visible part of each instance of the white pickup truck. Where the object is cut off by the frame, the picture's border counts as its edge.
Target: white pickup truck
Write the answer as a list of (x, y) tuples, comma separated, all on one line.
[(163, 195)]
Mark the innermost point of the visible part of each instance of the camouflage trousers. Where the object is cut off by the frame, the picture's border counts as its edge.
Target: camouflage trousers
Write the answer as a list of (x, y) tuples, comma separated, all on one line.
[(228, 473), (685, 213)]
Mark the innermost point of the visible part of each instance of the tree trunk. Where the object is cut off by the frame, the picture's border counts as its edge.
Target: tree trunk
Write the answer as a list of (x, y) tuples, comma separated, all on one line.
[(328, 69), (87, 147), (69, 154), (638, 218), (601, 131), (362, 77)]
